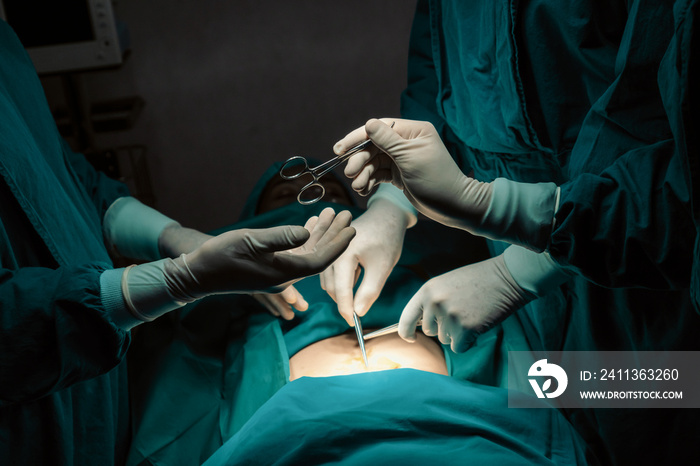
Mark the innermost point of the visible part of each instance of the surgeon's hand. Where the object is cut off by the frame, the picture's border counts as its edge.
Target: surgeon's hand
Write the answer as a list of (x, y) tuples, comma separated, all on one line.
[(175, 240), (411, 156), (376, 249), (267, 259), (462, 304), (281, 304)]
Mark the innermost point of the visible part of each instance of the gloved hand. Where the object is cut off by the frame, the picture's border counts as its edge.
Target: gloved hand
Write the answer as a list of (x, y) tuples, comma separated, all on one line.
[(411, 156), (462, 304), (376, 248), (280, 304), (237, 261), (175, 240), (269, 259)]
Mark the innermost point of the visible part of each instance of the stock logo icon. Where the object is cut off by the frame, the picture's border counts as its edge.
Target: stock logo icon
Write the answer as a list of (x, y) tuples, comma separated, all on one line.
[(551, 371)]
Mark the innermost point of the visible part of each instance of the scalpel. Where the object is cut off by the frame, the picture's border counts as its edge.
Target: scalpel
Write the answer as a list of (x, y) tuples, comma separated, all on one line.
[(360, 339)]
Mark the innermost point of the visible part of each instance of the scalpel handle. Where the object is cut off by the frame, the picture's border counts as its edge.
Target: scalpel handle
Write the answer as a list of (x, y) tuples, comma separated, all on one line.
[(360, 339), (387, 330)]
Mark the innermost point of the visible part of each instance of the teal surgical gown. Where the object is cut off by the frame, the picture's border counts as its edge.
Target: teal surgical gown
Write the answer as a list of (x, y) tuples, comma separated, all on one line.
[(591, 95), (63, 393)]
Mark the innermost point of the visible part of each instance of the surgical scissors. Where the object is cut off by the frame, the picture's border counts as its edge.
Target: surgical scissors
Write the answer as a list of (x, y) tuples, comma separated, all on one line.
[(297, 166)]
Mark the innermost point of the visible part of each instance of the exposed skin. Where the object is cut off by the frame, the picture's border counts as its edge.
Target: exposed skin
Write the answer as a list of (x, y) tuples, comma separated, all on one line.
[(340, 355)]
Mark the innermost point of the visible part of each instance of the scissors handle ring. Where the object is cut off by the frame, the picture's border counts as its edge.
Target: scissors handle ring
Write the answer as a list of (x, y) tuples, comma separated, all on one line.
[(322, 192), (292, 162)]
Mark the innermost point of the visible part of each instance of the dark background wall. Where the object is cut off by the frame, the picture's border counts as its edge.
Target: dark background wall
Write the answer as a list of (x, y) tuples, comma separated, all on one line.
[(231, 86)]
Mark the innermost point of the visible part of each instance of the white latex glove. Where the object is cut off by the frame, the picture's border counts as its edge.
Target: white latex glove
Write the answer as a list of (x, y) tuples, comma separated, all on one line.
[(462, 304), (280, 304), (376, 248), (411, 156)]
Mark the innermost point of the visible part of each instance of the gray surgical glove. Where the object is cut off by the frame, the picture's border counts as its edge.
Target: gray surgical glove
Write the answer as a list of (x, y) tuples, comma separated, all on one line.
[(234, 262), (411, 156)]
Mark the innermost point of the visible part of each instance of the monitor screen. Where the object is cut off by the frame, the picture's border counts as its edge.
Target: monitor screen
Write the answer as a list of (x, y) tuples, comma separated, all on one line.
[(40, 22), (66, 35)]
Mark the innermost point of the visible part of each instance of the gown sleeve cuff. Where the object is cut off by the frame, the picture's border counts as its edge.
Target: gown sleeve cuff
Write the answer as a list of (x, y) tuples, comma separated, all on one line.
[(394, 195), (133, 229), (532, 271), (522, 213), (113, 299)]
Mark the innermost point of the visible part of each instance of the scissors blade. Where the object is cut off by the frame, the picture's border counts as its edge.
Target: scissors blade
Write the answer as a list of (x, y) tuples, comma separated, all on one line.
[(360, 339), (393, 328)]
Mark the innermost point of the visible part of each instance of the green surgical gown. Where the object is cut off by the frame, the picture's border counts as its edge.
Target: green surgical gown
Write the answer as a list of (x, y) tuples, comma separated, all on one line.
[(591, 95), (63, 393)]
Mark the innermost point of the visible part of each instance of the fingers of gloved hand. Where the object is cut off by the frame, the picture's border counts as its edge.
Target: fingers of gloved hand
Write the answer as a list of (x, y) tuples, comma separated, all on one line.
[(276, 302), (327, 250), (371, 174), (276, 239), (327, 278), (463, 340), (285, 309), (350, 140), (411, 314), (446, 329), (319, 228), (345, 271), (383, 136), (340, 222), (311, 223), (292, 297), (267, 303), (358, 160), (430, 322), (371, 286)]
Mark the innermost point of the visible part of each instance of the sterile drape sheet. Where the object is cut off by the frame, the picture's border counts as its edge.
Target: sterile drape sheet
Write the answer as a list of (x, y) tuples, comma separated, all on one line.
[(403, 416)]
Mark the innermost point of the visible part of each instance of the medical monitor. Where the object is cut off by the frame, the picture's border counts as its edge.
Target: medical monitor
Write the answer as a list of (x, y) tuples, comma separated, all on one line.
[(65, 35)]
